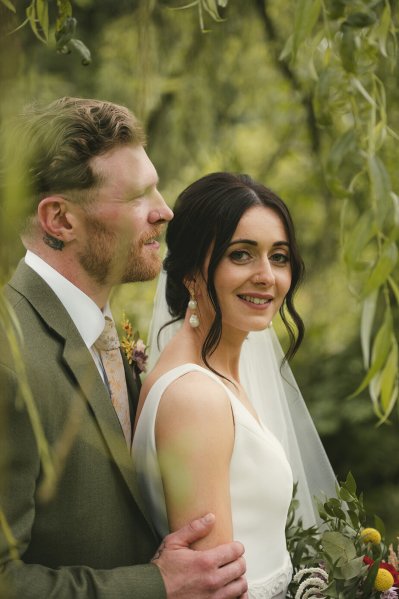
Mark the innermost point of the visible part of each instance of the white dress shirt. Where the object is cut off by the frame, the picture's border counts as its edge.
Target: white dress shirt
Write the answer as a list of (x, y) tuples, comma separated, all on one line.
[(85, 314)]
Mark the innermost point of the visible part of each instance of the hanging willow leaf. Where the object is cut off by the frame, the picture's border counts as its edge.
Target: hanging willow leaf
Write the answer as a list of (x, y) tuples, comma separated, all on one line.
[(64, 11), (33, 20), (395, 289), (359, 20), (42, 16), (347, 50), (364, 230), (381, 347), (381, 186), (306, 15), (382, 29), (65, 34), (8, 4), (83, 50), (366, 325), (389, 379), (385, 265), (211, 7)]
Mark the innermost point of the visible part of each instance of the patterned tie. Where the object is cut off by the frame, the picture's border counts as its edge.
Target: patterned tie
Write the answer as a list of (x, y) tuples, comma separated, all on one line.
[(108, 346)]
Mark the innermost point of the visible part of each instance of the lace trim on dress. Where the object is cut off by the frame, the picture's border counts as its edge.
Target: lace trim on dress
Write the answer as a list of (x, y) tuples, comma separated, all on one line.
[(276, 586)]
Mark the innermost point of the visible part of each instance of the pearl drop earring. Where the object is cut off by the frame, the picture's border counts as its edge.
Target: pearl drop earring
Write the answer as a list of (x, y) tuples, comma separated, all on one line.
[(192, 304)]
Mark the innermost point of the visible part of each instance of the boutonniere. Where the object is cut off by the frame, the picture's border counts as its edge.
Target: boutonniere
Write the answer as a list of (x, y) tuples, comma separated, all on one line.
[(134, 348)]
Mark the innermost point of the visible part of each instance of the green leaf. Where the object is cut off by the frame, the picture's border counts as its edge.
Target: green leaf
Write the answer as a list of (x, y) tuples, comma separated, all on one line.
[(339, 513), (361, 19), (380, 352), (345, 495), (287, 50), (339, 548), (379, 134), (211, 7), (344, 145), (388, 378), (64, 11), (83, 50), (381, 271), (65, 33), (347, 50), (32, 18), (306, 15), (370, 578), (42, 16), (379, 525), (353, 568), (354, 518), (364, 230), (350, 483), (394, 288), (382, 30), (366, 325), (8, 4), (380, 185)]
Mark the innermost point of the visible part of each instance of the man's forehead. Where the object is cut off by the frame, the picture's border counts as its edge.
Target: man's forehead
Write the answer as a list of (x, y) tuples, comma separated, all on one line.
[(126, 164)]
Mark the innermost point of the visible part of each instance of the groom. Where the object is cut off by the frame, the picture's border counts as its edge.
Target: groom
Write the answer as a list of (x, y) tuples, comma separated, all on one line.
[(95, 220)]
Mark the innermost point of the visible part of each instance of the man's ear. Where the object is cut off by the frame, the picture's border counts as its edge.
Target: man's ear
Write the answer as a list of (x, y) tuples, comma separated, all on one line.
[(55, 218)]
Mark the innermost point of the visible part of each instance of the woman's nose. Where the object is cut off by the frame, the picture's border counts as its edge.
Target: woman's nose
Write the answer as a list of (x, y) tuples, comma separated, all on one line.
[(265, 275)]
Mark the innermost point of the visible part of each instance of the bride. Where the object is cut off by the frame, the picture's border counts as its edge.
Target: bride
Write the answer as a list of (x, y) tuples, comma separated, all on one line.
[(221, 426)]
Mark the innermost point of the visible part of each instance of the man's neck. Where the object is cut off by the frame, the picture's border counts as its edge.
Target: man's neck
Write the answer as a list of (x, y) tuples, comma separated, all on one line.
[(67, 265)]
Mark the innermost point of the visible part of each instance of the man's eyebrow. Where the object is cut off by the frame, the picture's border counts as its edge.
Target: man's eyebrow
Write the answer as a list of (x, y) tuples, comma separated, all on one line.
[(255, 243)]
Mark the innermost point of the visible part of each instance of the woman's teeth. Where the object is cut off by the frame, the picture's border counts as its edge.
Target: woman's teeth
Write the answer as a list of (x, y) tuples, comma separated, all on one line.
[(254, 300)]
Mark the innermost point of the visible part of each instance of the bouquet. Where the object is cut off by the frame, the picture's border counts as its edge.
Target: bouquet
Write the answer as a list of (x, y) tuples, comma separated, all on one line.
[(343, 557)]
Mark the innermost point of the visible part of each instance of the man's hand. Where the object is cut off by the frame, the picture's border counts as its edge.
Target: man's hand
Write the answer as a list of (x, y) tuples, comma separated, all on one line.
[(210, 574)]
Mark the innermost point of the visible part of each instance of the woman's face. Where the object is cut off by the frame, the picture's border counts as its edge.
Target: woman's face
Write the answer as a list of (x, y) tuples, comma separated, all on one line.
[(254, 275)]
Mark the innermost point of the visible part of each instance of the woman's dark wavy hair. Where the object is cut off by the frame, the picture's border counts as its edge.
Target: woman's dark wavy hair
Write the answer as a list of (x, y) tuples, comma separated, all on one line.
[(206, 214)]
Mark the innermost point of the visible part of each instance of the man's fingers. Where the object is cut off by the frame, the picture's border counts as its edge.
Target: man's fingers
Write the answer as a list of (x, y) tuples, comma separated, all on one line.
[(195, 530), (232, 571), (237, 588), (225, 554)]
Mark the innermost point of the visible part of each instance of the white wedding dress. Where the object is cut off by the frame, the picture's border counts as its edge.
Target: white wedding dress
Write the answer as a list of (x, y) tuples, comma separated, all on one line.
[(260, 487)]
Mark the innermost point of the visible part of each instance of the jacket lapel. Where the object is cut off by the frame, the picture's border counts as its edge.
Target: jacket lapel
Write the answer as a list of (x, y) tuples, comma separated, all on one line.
[(133, 387), (80, 362)]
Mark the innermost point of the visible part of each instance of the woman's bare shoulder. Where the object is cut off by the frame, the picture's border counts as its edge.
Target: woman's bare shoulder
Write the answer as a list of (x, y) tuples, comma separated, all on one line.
[(194, 397)]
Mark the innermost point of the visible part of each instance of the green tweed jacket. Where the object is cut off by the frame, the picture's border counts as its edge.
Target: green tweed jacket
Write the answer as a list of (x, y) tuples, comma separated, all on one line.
[(92, 538)]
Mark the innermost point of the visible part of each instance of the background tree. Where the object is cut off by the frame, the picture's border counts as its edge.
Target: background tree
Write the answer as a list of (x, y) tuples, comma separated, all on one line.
[(301, 95)]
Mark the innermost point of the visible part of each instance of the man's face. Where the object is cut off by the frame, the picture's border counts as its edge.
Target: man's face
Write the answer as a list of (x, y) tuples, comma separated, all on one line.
[(122, 224)]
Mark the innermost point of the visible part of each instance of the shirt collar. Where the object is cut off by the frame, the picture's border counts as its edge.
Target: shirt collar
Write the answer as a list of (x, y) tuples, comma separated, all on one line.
[(85, 314)]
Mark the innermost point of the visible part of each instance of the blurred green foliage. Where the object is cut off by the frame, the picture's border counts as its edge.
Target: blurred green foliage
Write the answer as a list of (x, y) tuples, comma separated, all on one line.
[(281, 90)]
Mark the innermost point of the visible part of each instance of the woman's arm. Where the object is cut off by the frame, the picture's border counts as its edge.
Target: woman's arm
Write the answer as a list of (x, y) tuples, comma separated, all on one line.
[(195, 436)]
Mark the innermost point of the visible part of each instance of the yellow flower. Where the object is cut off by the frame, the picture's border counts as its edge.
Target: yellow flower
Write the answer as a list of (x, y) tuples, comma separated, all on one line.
[(371, 535), (383, 581)]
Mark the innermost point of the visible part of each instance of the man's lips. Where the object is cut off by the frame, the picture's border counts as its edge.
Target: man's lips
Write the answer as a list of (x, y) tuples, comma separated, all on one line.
[(153, 243)]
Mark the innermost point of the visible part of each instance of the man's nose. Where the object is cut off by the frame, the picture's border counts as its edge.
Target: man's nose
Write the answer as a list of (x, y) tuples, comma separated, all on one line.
[(161, 213)]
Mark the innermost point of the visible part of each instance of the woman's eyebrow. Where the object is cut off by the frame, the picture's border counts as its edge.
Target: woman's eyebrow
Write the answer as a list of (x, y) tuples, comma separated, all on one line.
[(246, 241), (255, 243)]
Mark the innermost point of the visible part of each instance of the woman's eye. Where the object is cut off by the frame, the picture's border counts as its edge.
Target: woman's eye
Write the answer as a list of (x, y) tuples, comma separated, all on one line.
[(240, 256), (280, 258)]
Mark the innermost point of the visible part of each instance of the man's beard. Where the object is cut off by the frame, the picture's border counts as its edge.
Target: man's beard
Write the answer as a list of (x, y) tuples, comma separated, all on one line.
[(110, 261)]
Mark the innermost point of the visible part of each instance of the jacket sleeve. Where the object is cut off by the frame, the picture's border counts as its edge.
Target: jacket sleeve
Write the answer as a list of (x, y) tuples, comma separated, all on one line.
[(20, 469)]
